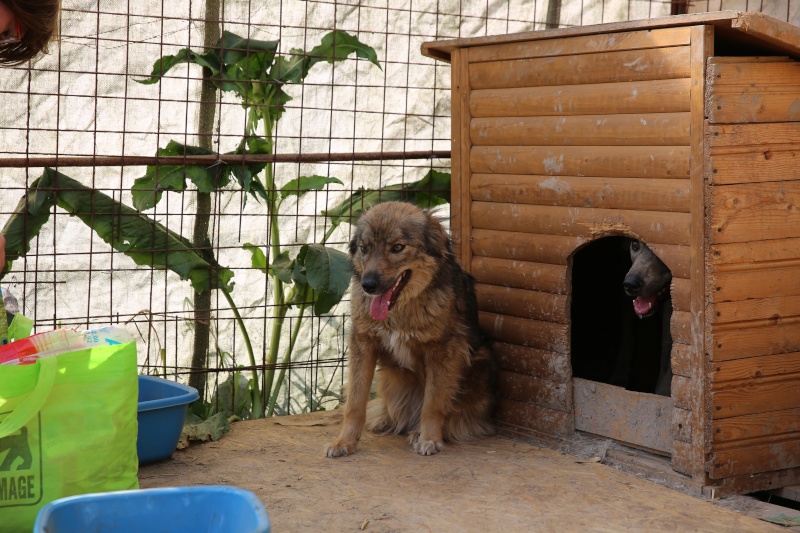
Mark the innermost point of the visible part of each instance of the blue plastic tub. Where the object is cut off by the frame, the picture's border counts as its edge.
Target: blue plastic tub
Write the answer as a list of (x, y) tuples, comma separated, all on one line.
[(162, 410), (166, 510)]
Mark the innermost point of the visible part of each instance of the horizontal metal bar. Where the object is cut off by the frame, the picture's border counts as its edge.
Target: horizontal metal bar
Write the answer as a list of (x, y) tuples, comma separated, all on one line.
[(228, 159)]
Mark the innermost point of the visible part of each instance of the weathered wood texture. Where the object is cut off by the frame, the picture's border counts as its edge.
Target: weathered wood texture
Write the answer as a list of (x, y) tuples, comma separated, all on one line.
[(561, 142), (695, 395), (751, 139), (633, 417)]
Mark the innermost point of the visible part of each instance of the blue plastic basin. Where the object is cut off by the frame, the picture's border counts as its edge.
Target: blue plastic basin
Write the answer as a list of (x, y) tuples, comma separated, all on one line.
[(166, 510), (162, 410)]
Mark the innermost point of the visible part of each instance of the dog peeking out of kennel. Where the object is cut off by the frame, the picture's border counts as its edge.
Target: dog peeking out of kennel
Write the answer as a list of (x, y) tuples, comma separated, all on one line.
[(620, 315), (620, 328)]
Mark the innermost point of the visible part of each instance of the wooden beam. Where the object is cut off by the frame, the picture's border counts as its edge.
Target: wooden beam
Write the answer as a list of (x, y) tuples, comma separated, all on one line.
[(637, 129), (650, 226), (668, 162), (579, 191), (650, 96), (623, 66)]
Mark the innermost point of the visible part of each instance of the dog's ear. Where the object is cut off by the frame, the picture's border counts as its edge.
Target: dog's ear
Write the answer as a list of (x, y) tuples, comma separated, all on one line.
[(437, 242), (353, 246)]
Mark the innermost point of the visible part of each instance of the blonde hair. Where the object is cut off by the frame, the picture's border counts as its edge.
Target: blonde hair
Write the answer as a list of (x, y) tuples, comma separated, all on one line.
[(40, 21)]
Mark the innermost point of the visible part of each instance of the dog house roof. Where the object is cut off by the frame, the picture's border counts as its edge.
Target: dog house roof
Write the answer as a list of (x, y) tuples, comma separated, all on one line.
[(750, 33)]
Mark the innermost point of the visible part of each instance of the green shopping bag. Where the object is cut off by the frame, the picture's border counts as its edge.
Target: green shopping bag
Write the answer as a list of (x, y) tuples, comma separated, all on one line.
[(67, 427)]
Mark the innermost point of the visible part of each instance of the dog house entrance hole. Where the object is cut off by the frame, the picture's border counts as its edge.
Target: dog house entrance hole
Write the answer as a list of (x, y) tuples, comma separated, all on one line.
[(613, 386)]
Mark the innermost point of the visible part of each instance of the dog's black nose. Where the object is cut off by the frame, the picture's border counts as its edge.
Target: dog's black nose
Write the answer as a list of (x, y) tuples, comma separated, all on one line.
[(369, 282), (632, 284)]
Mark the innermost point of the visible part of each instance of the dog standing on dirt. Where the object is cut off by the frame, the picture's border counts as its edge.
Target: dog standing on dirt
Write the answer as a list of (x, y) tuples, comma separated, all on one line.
[(648, 283), (414, 315)]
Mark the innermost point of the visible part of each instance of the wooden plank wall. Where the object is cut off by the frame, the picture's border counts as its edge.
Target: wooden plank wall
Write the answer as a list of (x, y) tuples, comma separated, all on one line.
[(568, 140), (753, 227)]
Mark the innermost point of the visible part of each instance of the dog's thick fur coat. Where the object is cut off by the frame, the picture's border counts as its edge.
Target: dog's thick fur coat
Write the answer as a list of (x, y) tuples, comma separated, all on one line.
[(414, 316)]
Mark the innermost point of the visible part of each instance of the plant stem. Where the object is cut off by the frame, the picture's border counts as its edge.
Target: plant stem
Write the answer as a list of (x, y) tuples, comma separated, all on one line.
[(258, 409), (200, 239), (287, 356), (275, 249)]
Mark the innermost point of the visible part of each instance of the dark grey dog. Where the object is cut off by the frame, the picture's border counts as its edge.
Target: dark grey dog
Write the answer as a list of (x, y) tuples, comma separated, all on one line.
[(648, 283)]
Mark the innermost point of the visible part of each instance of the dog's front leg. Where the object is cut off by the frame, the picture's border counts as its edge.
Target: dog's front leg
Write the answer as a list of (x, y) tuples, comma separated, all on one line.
[(442, 374), (363, 357)]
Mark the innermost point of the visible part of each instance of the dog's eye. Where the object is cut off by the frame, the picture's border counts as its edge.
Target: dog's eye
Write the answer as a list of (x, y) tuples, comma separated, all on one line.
[(397, 248), (364, 249), (635, 246)]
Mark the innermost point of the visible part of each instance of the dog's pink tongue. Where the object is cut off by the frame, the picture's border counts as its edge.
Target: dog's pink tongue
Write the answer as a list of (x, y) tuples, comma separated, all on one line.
[(379, 309), (643, 304)]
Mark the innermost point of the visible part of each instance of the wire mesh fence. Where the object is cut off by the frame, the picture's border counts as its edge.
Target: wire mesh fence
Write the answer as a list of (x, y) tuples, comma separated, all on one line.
[(289, 115)]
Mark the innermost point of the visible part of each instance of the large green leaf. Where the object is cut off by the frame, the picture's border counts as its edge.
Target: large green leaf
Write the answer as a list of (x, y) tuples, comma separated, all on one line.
[(147, 190), (139, 237), (32, 212), (430, 191), (232, 48), (246, 174), (335, 46), (210, 60), (229, 51), (304, 184), (329, 272), (282, 266)]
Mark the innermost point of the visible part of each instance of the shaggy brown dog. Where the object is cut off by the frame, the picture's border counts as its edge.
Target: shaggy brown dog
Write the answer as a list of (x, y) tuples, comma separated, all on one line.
[(414, 314)]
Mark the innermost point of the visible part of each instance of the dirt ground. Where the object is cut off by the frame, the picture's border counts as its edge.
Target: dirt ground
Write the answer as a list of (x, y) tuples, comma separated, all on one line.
[(495, 484)]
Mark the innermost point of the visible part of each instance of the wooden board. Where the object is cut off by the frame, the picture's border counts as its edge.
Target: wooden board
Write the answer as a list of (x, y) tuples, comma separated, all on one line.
[(682, 457), (754, 211), (633, 40), (538, 363), (651, 96), (520, 274), (579, 191), (748, 153), (639, 129), (771, 250), (651, 226), (682, 391), (753, 482), (746, 105), (520, 248), (461, 121), (681, 426), (763, 426), (774, 309), (759, 282), (682, 356), (695, 397), (632, 417), (533, 333), (756, 367), (522, 303), (622, 66), (755, 459), (541, 420), (755, 31), (608, 161), (681, 293), (742, 73), (459, 166), (758, 396), (753, 341), (542, 392)]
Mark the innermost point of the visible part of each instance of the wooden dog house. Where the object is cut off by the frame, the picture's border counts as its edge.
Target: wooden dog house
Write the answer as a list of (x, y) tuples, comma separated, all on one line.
[(683, 132)]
